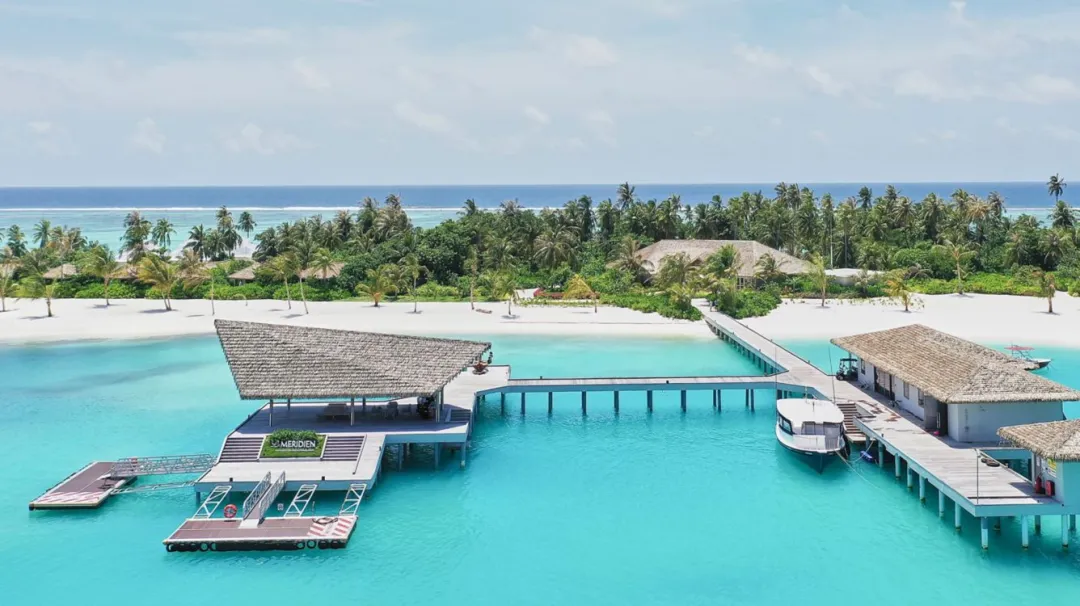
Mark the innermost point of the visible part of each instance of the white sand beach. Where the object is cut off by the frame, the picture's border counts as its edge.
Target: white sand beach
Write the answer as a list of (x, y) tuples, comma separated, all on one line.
[(85, 319), (984, 318)]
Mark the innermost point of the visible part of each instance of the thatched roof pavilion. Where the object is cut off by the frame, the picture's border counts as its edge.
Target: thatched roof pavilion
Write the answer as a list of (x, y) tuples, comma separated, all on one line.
[(245, 275), (275, 361), (1057, 440), (750, 252), (331, 272), (67, 270), (952, 370)]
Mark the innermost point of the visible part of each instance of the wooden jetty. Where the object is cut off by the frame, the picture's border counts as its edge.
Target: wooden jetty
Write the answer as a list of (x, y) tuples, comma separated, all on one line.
[(327, 532), (87, 488)]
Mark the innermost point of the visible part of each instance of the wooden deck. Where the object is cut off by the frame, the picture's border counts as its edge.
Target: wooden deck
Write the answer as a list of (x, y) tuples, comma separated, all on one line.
[(271, 534), (85, 489)]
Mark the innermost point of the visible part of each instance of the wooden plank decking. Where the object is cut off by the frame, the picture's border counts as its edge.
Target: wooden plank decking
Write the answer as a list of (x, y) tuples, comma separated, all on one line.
[(85, 489), (270, 534)]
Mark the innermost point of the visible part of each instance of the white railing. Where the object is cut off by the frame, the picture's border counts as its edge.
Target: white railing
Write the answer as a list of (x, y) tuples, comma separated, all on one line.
[(262, 503), (147, 466), (352, 499), (213, 501), (818, 443), (256, 494)]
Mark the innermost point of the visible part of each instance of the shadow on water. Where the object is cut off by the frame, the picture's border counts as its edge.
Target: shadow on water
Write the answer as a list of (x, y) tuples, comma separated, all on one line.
[(99, 380)]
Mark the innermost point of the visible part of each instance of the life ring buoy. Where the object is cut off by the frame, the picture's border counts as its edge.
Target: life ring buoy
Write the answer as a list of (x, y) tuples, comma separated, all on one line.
[(230, 511), (323, 521)]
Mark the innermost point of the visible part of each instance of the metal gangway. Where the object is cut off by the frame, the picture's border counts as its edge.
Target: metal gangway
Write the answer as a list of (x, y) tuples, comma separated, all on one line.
[(258, 502), (132, 467), (352, 499)]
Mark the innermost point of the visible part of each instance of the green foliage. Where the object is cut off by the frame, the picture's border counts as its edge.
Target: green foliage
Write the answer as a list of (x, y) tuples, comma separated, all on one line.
[(117, 290), (655, 303), (430, 291), (751, 303), (283, 435)]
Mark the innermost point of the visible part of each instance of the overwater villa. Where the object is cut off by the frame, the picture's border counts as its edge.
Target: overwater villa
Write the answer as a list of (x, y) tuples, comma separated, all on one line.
[(955, 387)]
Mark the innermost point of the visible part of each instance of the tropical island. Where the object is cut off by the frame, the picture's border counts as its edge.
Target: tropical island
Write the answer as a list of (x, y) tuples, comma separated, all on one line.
[(644, 255)]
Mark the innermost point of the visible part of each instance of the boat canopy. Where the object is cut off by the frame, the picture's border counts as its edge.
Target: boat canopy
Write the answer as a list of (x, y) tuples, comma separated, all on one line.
[(808, 410)]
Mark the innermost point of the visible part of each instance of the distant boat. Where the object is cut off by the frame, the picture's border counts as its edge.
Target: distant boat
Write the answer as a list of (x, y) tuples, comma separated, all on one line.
[(1021, 352), (811, 428)]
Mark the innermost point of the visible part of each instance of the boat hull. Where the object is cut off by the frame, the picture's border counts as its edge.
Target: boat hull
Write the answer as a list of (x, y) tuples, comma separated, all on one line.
[(818, 459)]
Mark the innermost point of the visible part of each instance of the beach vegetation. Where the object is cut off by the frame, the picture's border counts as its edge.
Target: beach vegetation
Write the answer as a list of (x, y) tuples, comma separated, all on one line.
[(161, 275), (100, 263)]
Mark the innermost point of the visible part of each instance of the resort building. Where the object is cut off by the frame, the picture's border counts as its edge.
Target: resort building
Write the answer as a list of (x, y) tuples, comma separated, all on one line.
[(953, 386), (245, 275), (1055, 457), (750, 254)]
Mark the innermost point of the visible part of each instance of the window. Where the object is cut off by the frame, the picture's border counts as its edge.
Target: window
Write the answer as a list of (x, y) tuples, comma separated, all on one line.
[(785, 425), (906, 392), (862, 366)]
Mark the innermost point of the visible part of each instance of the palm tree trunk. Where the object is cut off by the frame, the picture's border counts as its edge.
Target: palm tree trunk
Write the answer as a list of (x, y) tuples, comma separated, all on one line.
[(48, 305), (509, 310), (1050, 303), (302, 295), (213, 310), (287, 294), (415, 300), (107, 291)]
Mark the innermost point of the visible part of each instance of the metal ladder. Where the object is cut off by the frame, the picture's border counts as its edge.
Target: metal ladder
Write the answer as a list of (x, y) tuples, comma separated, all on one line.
[(213, 501), (300, 500), (352, 499)]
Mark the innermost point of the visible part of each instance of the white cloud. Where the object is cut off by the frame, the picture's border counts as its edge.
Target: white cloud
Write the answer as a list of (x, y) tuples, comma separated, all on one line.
[(957, 9), (668, 9), (916, 83), (820, 135), (1006, 125), (1042, 88), (309, 76), (537, 116), (1063, 133), (602, 126), (257, 37), (825, 81), (253, 139), (148, 137), (937, 136), (50, 138), (704, 131), (759, 57), (424, 120), (776, 122), (583, 51)]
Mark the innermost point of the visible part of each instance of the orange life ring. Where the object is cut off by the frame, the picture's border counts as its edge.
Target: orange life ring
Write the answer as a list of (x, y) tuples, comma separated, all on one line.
[(230, 511)]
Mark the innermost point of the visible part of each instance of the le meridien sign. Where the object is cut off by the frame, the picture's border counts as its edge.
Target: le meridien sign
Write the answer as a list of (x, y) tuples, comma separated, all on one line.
[(294, 444)]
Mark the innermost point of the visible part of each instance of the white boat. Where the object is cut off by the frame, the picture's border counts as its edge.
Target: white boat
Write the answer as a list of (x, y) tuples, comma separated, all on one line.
[(811, 428)]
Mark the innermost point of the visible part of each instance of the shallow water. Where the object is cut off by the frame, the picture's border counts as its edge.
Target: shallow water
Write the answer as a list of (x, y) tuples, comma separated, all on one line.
[(670, 509)]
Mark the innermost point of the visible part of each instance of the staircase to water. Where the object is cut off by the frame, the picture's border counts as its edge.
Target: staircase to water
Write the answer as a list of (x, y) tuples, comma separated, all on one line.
[(342, 448), (241, 449)]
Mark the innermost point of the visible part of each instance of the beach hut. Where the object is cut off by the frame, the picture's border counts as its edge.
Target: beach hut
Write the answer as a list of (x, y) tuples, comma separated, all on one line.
[(750, 253), (1055, 457), (66, 270), (954, 386), (244, 275), (331, 272)]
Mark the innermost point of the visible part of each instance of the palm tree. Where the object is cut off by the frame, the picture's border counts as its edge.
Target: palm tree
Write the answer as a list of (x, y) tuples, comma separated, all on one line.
[(303, 253), (100, 262), (960, 253), (470, 208), (34, 265), (1063, 216), (628, 257), (380, 281), (578, 288), (1056, 186), (625, 196), (767, 268), (819, 276), (162, 233), (283, 267), (197, 241), (897, 288), (136, 230), (501, 285), (1047, 288), (7, 289), (322, 262), (42, 233), (674, 269), (472, 262), (724, 263), (555, 246), (161, 275), (194, 273), (16, 240), (412, 270), (246, 223)]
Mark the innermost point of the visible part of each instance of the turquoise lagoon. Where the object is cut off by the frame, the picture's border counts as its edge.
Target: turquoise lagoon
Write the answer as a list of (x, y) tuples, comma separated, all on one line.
[(700, 508)]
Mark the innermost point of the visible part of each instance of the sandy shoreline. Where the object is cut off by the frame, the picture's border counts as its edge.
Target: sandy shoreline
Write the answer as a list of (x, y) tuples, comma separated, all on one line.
[(989, 319)]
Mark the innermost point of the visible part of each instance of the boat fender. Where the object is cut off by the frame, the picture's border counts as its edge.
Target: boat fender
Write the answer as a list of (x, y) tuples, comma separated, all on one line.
[(1038, 485)]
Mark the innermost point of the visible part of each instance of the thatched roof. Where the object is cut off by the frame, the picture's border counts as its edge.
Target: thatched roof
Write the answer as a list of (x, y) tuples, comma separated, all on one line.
[(126, 271), (951, 369), (750, 252), (331, 272), (247, 274), (1058, 440), (279, 361), (67, 270)]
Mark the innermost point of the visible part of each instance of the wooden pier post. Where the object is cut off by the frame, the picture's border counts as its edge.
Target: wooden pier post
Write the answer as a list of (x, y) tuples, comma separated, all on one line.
[(1072, 523), (881, 454), (648, 400), (584, 403), (551, 401), (464, 449), (922, 489), (752, 401), (1065, 531), (1024, 542), (748, 399), (401, 456), (616, 403), (682, 400), (910, 478), (984, 531), (502, 403), (896, 464), (714, 394), (940, 504), (719, 400), (438, 447), (523, 403), (956, 514), (1038, 524)]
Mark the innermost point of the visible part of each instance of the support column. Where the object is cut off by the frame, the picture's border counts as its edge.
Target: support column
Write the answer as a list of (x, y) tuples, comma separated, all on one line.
[(523, 403), (997, 524), (880, 454), (648, 400), (714, 394), (1072, 522), (438, 447), (198, 498), (288, 407), (682, 400), (896, 464), (748, 399), (984, 529), (352, 411), (779, 394), (910, 478), (363, 406), (940, 504), (271, 413), (401, 456), (584, 403), (502, 403), (1024, 542), (1065, 531), (751, 400), (551, 401), (616, 402), (464, 450), (719, 400), (922, 488), (1038, 524), (956, 515)]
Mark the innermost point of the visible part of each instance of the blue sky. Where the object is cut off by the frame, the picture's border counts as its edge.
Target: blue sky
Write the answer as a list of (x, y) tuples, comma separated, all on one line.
[(126, 92)]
